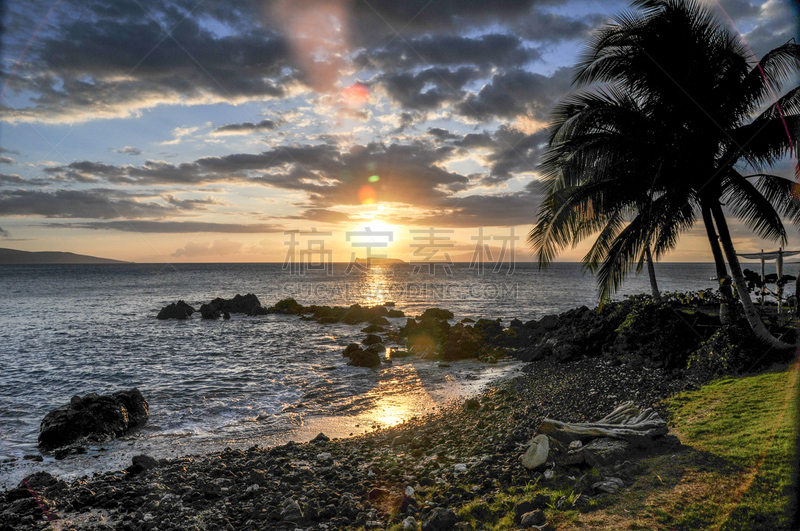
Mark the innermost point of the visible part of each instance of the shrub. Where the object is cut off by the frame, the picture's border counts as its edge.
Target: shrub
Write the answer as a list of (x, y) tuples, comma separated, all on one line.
[(656, 335), (732, 349)]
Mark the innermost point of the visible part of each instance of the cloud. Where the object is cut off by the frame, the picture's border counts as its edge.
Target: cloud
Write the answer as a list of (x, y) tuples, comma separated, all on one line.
[(103, 62), (245, 128), (173, 227), (429, 89), (223, 247), (543, 27), (775, 24), (14, 179), (179, 133), (127, 150), (4, 233), (7, 160), (86, 204), (485, 52), (412, 174), (322, 215), (516, 92), (373, 21), (4, 150)]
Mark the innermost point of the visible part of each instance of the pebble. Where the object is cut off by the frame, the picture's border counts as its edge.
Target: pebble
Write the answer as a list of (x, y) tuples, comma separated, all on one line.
[(459, 455)]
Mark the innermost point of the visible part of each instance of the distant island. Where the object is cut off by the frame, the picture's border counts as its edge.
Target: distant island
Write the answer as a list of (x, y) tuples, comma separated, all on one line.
[(16, 257)]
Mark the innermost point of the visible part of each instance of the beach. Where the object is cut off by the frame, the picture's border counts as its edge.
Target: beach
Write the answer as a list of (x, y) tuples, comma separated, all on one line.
[(465, 451)]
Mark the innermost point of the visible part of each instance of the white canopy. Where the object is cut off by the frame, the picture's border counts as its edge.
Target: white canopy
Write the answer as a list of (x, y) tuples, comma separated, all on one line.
[(771, 255)]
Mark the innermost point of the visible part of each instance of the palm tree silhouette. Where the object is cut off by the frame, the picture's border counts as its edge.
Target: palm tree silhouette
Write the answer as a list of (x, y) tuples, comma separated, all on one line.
[(669, 117)]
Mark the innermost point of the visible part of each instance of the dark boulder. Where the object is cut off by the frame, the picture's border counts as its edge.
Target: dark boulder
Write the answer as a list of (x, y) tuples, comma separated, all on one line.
[(372, 339), (94, 418), (208, 311), (287, 307), (488, 329), (176, 310), (246, 304), (349, 349), (364, 358), (141, 463), (436, 313)]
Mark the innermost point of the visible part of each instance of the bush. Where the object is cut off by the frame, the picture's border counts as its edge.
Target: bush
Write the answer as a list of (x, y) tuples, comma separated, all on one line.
[(655, 335), (731, 350)]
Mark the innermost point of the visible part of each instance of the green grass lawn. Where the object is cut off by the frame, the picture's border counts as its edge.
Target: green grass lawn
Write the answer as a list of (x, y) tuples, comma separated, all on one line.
[(749, 425)]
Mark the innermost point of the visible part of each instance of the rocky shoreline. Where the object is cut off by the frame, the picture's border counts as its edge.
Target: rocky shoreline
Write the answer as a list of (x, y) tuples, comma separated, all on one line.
[(418, 475)]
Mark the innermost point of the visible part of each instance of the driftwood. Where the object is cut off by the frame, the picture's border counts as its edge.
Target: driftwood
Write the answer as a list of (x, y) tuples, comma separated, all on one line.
[(627, 422)]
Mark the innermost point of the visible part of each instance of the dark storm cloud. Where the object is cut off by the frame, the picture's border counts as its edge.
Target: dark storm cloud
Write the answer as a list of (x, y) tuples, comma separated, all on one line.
[(516, 92), (375, 19), (429, 89), (110, 62), (514, 152), (494, 50), (14, 179), (173, 227), (442, 135), (87, 204), (499, 210), (510, 151), (539, 26), (412, 174), (246, 127), (776, 25)]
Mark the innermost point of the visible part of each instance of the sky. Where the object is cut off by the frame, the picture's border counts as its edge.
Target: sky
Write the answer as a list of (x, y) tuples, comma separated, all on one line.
[(218, 131)]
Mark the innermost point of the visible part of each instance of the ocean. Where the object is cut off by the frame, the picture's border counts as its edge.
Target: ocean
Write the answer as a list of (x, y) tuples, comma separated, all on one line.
[(74, 329)]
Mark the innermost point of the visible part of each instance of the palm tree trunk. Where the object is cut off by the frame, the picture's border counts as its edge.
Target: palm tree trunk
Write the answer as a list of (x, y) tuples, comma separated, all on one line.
[(741, 285), (726, 307), (651, 272)]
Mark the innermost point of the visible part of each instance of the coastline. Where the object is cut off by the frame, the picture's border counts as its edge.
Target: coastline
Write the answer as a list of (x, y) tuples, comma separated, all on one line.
[(448, 458)]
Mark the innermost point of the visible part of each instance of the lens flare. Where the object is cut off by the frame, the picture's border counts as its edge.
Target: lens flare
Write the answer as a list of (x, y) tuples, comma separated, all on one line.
[(356, 95), (367, 195), (374, 178)]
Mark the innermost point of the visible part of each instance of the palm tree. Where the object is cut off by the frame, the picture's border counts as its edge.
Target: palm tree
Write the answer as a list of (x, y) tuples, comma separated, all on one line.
[(593, 172), (685, 72)]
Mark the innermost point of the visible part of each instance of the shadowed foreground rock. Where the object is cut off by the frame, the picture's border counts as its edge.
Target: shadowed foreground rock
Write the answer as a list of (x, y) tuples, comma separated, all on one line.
[(94, 418)]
